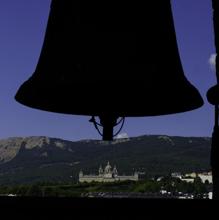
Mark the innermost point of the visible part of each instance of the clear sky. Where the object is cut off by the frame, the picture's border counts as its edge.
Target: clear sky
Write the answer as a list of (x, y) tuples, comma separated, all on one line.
[(22, 28)]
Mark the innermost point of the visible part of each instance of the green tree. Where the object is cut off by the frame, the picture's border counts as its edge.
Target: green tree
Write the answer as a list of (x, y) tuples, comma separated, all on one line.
[(34, 190), (199, 188)]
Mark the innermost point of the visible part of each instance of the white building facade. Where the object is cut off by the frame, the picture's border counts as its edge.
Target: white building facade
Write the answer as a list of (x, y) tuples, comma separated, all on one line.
[(106, 175), (190, 177)]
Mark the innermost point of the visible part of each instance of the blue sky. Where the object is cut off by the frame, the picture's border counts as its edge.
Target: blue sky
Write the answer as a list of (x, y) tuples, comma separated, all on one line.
[(22, 27)]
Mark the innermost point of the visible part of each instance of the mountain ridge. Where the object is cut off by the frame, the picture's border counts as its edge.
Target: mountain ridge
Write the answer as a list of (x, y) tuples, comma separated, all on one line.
[(41, 158)]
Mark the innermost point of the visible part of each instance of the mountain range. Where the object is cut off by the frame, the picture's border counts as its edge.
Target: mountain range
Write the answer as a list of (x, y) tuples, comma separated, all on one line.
[(25, 160)]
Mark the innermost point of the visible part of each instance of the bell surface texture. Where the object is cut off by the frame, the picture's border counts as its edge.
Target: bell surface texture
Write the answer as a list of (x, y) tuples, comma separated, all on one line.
[(114, 58)]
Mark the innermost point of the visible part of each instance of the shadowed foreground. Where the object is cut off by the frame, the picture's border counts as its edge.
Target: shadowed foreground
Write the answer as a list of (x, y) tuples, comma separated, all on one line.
[(111, 207)]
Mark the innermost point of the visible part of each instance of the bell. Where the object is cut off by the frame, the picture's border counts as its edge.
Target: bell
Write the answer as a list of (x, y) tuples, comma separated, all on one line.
[(110, 59)]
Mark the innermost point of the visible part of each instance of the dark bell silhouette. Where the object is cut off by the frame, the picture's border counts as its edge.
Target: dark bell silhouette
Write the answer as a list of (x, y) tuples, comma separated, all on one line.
[(213, 98), (110, 59), (213, 95)]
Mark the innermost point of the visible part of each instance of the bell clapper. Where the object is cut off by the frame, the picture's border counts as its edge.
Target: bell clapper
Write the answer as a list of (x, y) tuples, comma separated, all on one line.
[(108, 122)]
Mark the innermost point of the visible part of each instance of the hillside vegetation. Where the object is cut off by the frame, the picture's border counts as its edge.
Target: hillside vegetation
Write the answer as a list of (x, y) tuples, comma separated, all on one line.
[(34, 159)]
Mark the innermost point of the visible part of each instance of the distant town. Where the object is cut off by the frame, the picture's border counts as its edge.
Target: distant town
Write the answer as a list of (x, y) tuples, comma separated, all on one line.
[(108, 175), (108, 183)]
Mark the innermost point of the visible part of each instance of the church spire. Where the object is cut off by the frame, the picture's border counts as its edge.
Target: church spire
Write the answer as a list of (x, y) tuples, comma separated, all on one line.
[(107, 168), (115, 172), (100, 170)]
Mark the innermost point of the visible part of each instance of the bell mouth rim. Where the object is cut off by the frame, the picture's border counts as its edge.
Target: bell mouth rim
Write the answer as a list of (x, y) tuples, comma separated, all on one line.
[(114, 113), (138, 101), (213, 95)]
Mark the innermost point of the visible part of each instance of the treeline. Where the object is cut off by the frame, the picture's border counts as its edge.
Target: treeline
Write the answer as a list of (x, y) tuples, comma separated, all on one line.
[(175, 186), (52, 189)]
